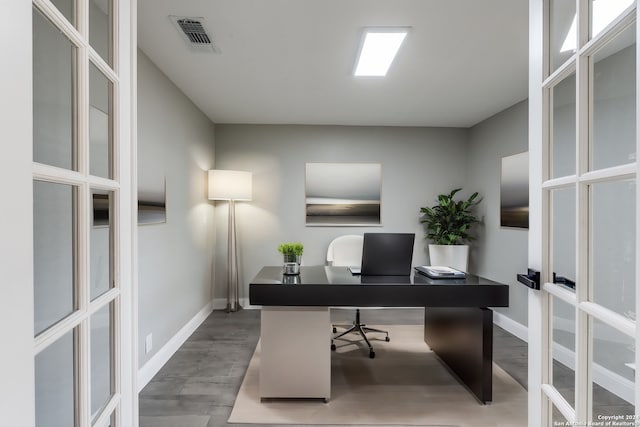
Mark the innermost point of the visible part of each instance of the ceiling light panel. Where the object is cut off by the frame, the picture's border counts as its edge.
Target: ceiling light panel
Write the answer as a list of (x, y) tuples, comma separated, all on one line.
[(377, 51)]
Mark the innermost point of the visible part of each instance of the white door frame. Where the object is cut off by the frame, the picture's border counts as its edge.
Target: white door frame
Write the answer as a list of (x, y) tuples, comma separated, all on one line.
[(16, 245), (128, 233), (536, 129), (17, 396), (541, 392)]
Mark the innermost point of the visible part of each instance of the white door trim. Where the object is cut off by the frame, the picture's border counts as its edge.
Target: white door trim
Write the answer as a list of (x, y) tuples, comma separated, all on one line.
[(536, 129)]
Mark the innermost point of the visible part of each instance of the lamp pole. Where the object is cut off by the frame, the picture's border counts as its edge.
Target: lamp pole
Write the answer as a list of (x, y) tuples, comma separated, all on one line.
[(233, 300)]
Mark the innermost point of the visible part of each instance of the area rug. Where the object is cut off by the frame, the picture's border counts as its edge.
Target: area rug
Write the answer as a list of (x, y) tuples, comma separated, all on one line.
[(405, 385)]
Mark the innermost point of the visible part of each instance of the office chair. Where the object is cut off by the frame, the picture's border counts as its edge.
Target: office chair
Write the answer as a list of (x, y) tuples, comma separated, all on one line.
[(346, 251)]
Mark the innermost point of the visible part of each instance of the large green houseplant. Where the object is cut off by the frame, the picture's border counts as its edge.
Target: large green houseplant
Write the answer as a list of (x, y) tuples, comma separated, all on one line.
[(449, 222), (447, 225)]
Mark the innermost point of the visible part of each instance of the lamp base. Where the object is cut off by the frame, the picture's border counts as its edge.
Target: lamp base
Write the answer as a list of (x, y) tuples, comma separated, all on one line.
[(232, 308)]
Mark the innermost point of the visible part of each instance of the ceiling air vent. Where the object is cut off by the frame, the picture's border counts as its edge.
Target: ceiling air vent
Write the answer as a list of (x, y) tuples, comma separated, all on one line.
[(193, 29)]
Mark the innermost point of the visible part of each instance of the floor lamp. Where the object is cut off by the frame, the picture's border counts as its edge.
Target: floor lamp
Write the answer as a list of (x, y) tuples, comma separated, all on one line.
[(231, 186)]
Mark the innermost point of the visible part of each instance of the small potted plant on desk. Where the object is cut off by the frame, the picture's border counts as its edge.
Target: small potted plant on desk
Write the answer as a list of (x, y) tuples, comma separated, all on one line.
[(447, 226), (292, 256)]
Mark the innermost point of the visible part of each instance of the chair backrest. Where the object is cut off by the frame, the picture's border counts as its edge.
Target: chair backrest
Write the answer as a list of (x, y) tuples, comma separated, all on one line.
[(345, 251)]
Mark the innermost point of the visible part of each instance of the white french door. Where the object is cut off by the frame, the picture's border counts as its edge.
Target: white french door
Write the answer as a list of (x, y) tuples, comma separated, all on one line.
[(84, 351), (583, 339)]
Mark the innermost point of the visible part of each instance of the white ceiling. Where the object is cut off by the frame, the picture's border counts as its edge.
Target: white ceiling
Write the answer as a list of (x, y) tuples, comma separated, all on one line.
[(291, 61)]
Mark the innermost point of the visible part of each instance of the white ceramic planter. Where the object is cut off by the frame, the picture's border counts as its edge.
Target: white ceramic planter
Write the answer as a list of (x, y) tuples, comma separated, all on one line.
[(454, 256)]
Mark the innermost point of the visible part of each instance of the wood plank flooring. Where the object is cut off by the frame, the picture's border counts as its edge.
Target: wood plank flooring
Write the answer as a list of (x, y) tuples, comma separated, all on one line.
[(197, 387)]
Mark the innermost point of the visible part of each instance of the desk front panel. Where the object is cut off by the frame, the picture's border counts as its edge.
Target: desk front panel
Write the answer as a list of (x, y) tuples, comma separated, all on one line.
[(336, 286)]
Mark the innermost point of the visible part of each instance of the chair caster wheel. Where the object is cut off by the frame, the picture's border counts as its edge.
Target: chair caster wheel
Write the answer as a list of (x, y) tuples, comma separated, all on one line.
[(333, 347), (372, 355), (387, 339), (335, 330)]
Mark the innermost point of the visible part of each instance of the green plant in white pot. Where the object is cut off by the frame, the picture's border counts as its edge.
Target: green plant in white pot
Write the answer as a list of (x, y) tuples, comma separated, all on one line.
[(448, 225)]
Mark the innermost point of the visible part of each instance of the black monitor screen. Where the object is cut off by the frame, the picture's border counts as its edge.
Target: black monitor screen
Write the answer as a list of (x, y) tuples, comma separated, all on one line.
[(387, 254)]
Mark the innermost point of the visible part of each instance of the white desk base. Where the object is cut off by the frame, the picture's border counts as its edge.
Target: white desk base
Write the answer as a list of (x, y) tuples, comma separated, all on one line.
[(295, 352)]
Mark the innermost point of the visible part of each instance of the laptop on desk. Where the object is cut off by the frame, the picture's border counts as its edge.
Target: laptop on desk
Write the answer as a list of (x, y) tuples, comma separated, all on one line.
[(387, 254)]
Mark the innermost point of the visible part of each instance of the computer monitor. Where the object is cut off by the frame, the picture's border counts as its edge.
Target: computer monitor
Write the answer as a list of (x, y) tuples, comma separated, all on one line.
[(387, 254)]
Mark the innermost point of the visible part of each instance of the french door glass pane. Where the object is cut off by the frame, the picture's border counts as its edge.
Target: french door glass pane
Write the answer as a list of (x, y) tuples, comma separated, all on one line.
[(563, 33), (53, 252), (101, 243), (101, 359), (67, 8), (557, 419), (563, 136), (614, 102), (54, 384), (603, 12), (76, 367), (100, 28), (563, 349), (100, 123), (613, 377), (563, 244), (53, 95), (614, 245)]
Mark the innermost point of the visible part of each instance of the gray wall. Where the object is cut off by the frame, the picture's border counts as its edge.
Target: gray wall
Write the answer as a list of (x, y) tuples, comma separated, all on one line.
[(499, 253), (175, 142), (417, 164)]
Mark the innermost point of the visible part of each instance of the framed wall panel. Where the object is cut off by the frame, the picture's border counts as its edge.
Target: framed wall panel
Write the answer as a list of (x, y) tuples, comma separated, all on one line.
[(152, 203), (343, 194), (514, 191)]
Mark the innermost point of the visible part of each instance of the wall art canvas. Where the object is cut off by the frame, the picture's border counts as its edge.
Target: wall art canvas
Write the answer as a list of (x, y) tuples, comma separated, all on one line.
[(343, 194), (152, 203), (514, 191)]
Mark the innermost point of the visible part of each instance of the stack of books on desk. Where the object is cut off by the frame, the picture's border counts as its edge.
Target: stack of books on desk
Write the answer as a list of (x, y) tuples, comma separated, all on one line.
[(440, 272)]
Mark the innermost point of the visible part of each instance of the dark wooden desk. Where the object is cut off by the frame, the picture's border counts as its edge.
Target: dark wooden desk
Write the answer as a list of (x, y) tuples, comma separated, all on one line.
[(458, 323)]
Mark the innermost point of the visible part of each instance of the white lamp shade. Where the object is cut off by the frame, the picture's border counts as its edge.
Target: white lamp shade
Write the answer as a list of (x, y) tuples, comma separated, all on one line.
[(229, 185)]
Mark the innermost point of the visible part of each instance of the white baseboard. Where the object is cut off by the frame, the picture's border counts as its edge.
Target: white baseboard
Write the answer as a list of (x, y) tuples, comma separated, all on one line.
[(615, 383), (511, 326), (153, 365)]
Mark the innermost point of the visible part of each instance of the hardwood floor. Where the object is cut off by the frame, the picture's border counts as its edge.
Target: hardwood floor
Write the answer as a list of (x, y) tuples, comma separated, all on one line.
[(197, 387)]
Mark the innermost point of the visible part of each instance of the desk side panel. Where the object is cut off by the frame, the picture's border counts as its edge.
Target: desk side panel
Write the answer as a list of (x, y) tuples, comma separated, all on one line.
[(295, 355), (463, 339)]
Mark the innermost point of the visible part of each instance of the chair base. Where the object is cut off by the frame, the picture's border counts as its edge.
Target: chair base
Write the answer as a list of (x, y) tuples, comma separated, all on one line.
[(362, 329)]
